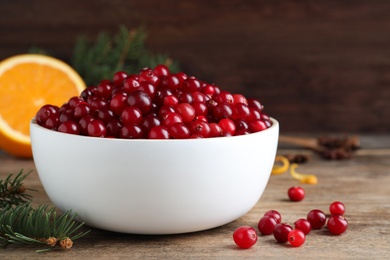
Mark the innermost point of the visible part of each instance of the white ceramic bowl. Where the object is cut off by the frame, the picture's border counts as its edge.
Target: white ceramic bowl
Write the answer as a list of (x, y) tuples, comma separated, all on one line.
[(154, 186)]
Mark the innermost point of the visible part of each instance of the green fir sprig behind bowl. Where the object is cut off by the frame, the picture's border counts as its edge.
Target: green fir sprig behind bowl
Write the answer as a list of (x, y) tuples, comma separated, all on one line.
[(125, 51)]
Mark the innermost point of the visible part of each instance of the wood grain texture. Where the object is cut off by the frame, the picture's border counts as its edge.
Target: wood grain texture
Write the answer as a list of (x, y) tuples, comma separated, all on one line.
[(317, 66), (361, 183)]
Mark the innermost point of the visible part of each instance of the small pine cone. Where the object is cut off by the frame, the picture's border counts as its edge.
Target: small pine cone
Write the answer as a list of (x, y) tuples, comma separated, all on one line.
[(66, 243), (51, 241), (22, 189)]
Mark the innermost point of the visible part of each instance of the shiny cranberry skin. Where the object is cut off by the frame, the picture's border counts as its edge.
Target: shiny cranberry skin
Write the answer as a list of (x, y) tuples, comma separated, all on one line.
[(171, 100), (185, 97), (104, 89), (303, 224), (131, 115), (281, 231), (98, 103), (67, 115), (296, 237), (96, 128), (87, 92), (317, 218), (118, 78), (222, 110), (198, 96), (141, 100), (159, 132), (201, 109), (45, 112), (186, 111), (83, 123), (208, 90), (257, 126), (200, 127), (215, 130), (296, 193), (227, 125), (74, 101), (104, 115), (240, 111), (337, 208), (149, 122), (275, 214), (69, 127), (113, 128), (245, 237), (131, 131), (253, 115), (52, 122), (254, 103), (171, 118), (171, 82), (241, 124), (181, 76), (118, 103), (148, 75), (160, 95), (148, 88), (161, 70), (266, 225), (164, 110), (337, 224), (191, 84), (239, 98), (131, 84), (179, 131), (224, 97), (81, 109)]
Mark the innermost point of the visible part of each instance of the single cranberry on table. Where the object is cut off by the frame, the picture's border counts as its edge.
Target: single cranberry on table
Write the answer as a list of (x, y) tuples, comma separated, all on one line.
[(245, 237), (337, 208), (296, 237), (303, 224), (317, 218), (337, 224), (296, 193), (281, 232), (267, 225), (275, 214)]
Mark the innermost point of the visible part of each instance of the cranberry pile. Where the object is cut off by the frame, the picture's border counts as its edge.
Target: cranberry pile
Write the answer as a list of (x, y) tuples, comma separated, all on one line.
[(271, 223), (155, 104)]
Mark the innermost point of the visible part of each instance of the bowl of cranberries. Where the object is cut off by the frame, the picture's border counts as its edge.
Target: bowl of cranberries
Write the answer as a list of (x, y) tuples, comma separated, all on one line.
[(154, 153)]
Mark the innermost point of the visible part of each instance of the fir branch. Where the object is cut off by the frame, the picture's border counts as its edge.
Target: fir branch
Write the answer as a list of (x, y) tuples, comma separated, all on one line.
[(13, 191), (23, 224), (124, 51)]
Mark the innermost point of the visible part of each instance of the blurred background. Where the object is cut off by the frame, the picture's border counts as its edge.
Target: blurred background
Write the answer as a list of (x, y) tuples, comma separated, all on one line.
[(317, 66)]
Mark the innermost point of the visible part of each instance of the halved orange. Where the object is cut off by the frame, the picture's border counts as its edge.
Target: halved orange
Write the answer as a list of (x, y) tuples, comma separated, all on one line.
[(27, 82)]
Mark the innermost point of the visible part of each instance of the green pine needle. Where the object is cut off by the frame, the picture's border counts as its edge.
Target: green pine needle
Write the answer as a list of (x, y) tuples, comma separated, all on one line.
[(20, 223), (23, 224), (124, 51), (12, 190)]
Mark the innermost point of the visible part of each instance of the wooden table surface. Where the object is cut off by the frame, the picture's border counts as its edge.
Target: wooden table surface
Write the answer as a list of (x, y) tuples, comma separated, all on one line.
[(362, 183)]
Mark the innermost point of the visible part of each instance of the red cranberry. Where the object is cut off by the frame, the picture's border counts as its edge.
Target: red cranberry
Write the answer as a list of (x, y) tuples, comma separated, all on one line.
[(317, 218), (337, 224), (245, 237), (281, 232), (296, 193)]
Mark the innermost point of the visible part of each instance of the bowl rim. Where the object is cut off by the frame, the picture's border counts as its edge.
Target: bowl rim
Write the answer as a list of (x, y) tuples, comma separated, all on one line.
[(275, 124)]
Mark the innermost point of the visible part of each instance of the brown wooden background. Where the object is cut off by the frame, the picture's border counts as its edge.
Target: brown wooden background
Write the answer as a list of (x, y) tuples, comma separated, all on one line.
[(318, 66)]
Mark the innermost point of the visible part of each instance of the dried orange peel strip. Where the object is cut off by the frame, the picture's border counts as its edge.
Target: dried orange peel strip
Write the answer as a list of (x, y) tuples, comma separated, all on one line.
[(279, 169), (303, 178)]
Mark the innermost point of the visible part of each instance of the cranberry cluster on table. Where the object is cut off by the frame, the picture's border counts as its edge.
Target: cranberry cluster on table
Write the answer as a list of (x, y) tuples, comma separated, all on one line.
[(155, 104), (271, 223)]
